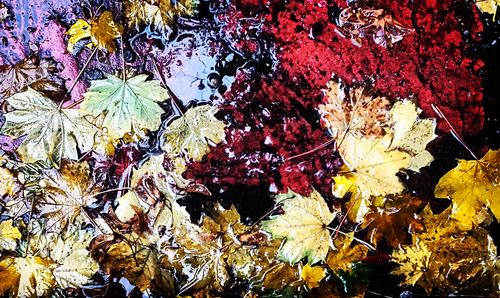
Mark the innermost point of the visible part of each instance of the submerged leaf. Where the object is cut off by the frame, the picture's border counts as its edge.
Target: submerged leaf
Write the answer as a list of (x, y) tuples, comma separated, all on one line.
[(345, 254), (192, 133), (8, 235), (51, 133), (26, 277), (129, 104), (303, 226)]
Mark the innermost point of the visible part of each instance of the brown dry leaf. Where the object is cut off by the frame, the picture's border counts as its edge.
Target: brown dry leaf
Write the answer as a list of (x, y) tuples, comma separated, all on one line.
[(39, 74), (353, 111), (472, 186), (102, 32)]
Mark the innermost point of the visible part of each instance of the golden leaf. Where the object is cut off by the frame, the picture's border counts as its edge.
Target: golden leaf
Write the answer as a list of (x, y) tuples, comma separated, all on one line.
[(312, 275), (26, 277), (488, 6), (8, 235), (471, 186), (9, 185), (102, 32), (344, 254)]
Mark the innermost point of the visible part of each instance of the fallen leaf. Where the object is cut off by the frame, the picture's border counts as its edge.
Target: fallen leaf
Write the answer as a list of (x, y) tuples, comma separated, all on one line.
[(102, 32), (26, 277), (9, 185), (192, 132), (52, 133), (354, 111), (158, 15), (345, 254), (303, 226), (38, 74), (9, 235), (374, 164), (488, 6), (312, 275), (129, 104), (471, 186)]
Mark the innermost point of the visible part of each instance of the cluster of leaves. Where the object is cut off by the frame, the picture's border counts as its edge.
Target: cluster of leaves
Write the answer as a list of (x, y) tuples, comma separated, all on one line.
[(62, 227)]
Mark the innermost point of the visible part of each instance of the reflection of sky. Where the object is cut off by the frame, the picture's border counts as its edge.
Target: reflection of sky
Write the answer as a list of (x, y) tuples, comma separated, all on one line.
[(186, 66)]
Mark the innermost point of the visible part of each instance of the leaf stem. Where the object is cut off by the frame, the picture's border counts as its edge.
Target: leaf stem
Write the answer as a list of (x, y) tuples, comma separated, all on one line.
[(70, 89), (452, 129)]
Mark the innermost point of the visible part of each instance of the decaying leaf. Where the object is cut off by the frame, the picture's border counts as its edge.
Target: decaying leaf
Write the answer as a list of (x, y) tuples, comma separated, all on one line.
[(129, 104), (312, 275), (353, 111), (303, 226), (102, 32), (191, 133), (357, 23), (472, 186), (52, 133), (488, 6), (38, 74), (9, 235), (158, 15), (446, 256)]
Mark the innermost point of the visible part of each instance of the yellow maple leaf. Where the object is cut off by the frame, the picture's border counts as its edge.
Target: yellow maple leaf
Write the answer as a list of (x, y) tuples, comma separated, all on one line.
[(374, 164), (312, 275), (488, 6), (8, 183), (8, 235), (345, 254), (102, 32), (26, 277), (471, 186)]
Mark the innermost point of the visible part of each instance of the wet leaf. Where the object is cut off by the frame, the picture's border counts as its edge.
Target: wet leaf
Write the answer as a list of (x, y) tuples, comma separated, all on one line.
[(128, 104), (345, 254), (26, 277), (9, 235), (488, 6), (303, 226), (312, 275), (158, 15), (192, 133), (51, 133), (374, 164), (471, 186), (30, 72), (102, 32), (9, 186)]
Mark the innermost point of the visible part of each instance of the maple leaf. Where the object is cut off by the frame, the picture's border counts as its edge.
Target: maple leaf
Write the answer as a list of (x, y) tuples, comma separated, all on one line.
[(129, 104), (51, 133), (345, 254), (26, 277), (303, 226), (63, 195), (488, 6), (353, 110), (471, 186), (446, 255), (392, 219), (9, 235), (158, 15), (312, 275), (374, 164), (102, 32), (30, 72), (412, 134), (191, 133)]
